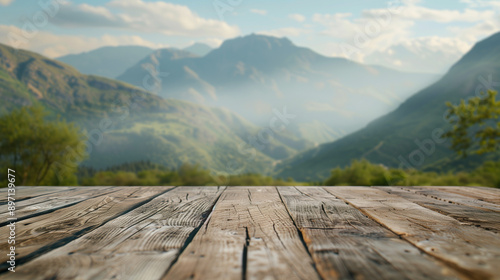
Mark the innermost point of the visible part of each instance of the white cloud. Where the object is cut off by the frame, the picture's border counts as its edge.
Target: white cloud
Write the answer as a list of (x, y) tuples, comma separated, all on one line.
[(6, 2), (213, 42), (137, 15), (425, 54), (475, 32), (385, 36), (53, 46), (297, 17), (259, 12), (365, 35), (337, 25)]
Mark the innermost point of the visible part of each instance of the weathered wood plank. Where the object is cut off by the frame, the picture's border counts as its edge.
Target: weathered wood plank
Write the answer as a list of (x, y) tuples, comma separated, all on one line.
[(40, 234), (23, 193), (249, 235), (480, 193), (50, 202), (488, 220), (473, 251), (346, 244), (140, 244), (456, 198)]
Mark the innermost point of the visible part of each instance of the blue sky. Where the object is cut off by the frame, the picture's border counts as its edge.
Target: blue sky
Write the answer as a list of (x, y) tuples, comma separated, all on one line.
[(411, 35)]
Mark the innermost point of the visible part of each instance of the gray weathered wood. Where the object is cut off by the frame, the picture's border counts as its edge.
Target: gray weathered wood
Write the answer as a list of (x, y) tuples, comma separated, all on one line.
[(53, 201), (249, 235), (255, 233), (456, 198), (473, 251), (40, 234), (345, 244), (488, 220), (491, 195), (138, 245), (30, 192)]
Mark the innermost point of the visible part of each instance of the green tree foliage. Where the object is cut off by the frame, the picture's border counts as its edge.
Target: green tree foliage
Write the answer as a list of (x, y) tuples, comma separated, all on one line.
[(364, 173), (186, 175), (41, 152), (476, 125), (134, 167), (359, 173)]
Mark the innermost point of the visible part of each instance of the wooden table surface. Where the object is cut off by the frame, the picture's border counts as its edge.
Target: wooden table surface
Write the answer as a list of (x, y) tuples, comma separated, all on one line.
[(253, 233)]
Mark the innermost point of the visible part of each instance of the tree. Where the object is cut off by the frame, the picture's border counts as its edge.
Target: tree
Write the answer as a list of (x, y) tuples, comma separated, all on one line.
[(476, 125), (34, 147)]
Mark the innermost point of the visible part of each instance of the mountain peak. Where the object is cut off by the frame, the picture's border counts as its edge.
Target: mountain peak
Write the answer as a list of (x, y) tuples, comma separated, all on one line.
[(257, 42), (263, 52)]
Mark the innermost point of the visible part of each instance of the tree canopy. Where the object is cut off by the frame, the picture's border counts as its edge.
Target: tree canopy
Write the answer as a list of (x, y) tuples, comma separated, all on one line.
[(38, 150), (476, 125)]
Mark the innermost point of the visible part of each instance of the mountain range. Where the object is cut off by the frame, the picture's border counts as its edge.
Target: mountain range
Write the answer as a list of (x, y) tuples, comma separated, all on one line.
[(126, 124), (110, 62), (255, 74), (409, 137)]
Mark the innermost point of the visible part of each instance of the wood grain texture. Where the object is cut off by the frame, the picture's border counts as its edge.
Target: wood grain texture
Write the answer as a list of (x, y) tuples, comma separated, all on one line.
[(249, 235), (491, 195), (456, 198), (44, 233), (140, 244), (255, 233), (487, 220), (52, 201), (23, 193), (345, 244), (473, 251)]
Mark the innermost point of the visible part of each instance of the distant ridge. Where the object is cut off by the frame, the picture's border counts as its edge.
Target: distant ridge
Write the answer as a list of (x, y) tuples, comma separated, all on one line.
[(199, 49), (107, 62)]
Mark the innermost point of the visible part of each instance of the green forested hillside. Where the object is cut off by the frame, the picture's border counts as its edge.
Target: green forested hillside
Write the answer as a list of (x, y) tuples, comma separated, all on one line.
[(127, 124), (410, 135)]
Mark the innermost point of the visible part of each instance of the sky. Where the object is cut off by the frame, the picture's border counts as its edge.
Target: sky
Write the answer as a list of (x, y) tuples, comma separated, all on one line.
[(409, 35)]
